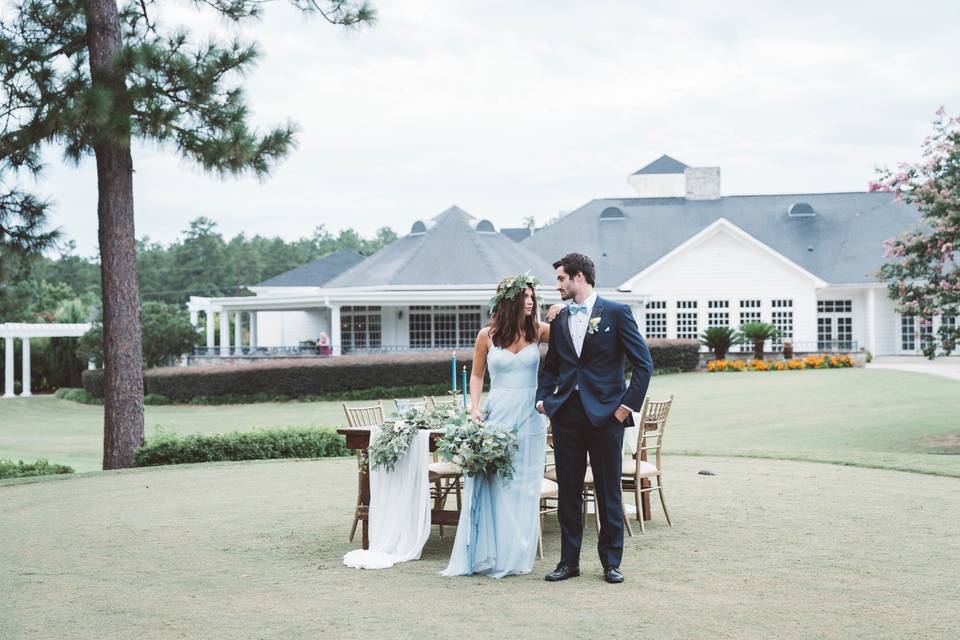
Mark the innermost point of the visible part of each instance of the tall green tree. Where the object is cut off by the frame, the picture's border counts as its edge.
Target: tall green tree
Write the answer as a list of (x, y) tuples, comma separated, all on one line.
[(92, 75), (923, 275)]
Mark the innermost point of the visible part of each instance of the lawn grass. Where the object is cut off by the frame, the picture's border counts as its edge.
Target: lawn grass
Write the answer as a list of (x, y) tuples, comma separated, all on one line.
[(763, 549), (873, 418)]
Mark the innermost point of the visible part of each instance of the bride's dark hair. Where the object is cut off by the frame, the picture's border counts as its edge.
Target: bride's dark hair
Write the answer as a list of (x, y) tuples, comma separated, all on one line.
[(508, 321)]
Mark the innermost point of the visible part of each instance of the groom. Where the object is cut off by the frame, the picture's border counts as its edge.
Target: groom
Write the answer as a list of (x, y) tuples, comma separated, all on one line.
[(582, 390)]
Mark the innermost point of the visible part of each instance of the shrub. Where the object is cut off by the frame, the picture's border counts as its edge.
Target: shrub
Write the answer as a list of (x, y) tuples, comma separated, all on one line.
[(76, 395), (11, 469), (303, 442), (156, 399), (674, 354), (719, 340)]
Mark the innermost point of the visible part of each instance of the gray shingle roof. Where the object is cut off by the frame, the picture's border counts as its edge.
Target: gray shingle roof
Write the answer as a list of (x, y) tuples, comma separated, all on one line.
[(841, 244), (450, 252), (663, 164), (316, 273), (516, 233)]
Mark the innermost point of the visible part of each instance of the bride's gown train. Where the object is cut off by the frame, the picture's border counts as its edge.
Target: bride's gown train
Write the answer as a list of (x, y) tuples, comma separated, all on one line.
[(499, 521)]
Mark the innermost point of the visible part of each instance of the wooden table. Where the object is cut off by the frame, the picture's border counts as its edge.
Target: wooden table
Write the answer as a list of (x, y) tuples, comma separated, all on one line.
[(358, 438)]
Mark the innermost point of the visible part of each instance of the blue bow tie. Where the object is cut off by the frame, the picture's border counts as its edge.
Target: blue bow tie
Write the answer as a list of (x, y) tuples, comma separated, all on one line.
[(578, 308)]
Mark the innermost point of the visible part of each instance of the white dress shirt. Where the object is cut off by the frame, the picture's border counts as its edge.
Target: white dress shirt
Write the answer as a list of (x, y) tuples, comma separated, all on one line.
[(578, 323)]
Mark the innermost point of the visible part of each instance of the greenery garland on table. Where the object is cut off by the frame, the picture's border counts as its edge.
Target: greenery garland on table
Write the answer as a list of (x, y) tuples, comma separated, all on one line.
[(393, 439), (479, 447)]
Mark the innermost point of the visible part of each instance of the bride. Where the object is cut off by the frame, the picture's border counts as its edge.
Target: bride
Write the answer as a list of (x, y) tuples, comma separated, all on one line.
[(499, 520)]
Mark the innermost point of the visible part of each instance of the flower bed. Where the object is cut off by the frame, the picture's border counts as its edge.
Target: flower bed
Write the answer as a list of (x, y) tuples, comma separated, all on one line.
[(841, 361)]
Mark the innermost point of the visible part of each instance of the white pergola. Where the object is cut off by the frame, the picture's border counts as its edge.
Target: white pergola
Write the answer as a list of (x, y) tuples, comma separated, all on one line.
[(11, 331)]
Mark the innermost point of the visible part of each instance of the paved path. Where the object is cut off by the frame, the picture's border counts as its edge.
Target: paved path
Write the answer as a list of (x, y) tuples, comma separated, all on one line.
[(946, 367)]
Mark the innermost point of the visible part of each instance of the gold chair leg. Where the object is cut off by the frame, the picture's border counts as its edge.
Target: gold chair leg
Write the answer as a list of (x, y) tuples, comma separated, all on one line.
[(353, 529), (643, 528), (626, 522), (596, 511), (540, 536), (662, 501), (437, 501)]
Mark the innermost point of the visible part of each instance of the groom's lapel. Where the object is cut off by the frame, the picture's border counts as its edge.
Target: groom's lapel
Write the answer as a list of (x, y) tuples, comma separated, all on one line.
[(590, 337), (564, 320)]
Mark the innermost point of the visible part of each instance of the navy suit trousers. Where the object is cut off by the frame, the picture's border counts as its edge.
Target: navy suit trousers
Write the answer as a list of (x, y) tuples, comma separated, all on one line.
[(573, 438)]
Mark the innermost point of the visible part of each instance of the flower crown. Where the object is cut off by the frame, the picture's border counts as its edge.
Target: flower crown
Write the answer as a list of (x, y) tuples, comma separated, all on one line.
[(511, 287)]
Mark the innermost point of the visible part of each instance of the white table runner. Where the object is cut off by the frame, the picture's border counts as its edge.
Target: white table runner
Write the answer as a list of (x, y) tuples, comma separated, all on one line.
[(399, 512)]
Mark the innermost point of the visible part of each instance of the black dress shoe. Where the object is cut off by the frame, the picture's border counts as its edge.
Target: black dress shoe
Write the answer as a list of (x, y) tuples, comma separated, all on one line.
[(562, 572), (613, 575)]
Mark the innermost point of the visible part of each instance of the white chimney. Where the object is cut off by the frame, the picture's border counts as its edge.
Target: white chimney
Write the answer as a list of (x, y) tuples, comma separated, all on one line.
[(703, 183)]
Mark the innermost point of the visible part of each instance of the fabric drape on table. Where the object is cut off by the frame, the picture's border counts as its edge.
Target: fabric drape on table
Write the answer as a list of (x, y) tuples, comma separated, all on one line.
[(399, 513)]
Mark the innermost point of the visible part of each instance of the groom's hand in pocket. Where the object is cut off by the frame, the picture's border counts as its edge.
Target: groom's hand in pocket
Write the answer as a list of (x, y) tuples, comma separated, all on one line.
[(621, 413)]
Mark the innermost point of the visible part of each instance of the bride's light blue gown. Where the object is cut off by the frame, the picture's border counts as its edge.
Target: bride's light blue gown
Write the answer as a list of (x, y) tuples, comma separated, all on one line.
[(499, 521)]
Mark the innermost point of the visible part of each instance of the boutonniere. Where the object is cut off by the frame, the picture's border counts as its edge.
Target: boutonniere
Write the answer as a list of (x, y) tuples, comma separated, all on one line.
[(594, 325)]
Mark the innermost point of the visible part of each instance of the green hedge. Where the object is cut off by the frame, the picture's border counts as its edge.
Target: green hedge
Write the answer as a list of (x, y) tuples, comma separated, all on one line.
[(675, 354), (297, 442), (346, 377), (294, 378), (11, 469)]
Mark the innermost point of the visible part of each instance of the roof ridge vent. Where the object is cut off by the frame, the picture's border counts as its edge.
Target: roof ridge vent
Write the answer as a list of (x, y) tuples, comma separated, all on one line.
[(801, 210)]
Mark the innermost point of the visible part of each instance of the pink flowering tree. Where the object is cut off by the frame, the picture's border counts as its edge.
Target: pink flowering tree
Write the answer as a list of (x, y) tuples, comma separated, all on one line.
[(922, 275)]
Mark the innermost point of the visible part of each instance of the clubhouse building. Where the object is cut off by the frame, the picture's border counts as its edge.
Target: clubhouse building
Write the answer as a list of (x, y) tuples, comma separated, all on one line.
[(681, 254)]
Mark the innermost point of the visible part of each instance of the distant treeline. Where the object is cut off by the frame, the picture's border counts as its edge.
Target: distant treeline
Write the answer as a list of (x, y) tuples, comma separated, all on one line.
[(200, 263)]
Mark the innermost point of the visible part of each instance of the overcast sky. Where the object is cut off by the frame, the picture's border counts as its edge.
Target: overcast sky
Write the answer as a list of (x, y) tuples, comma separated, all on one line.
[(511, 109)]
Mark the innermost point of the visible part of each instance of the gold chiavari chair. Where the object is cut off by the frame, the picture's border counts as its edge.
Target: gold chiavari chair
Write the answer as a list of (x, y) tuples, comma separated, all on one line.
[(653, 420), (368, 416)]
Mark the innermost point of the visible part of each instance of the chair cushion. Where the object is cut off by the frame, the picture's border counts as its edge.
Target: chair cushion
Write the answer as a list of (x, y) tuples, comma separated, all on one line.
[(548, 488), (445, 470), (646, 469)]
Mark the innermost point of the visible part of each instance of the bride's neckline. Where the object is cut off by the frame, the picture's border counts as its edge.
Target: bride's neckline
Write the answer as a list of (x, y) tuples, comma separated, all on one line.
[(515, 353)]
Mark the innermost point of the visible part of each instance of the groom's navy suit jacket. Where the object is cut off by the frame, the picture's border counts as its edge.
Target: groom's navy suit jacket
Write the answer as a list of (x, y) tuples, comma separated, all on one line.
[(599, 371)]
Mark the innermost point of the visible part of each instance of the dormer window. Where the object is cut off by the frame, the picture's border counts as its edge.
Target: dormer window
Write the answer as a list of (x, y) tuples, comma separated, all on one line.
[(485, 226), (801, 210), (612, 213), (418, 228)]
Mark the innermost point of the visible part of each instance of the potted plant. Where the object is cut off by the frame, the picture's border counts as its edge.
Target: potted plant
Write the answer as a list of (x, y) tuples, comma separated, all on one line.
[(719, 340), (757, 333), (787, 349)]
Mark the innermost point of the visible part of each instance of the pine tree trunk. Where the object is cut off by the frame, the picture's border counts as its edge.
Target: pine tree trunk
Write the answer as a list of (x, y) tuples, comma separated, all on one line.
[(122, 346)]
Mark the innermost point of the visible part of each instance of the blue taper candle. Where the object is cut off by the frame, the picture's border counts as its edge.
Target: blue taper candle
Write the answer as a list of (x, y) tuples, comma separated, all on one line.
[(465, 405), (453, 372)]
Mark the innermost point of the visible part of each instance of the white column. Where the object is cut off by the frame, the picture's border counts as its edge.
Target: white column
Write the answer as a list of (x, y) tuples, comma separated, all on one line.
[(872, 320), (224, 333), (253, 330), (8, 368), (211, 330), (335, 329), (238, 332), (25, 387)]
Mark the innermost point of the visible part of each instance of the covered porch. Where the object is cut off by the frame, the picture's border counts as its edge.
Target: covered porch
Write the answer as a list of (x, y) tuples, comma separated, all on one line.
[(332, 322)]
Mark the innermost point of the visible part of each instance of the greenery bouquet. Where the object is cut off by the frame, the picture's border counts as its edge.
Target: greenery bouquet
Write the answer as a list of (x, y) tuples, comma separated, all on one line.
[(480, 448)]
